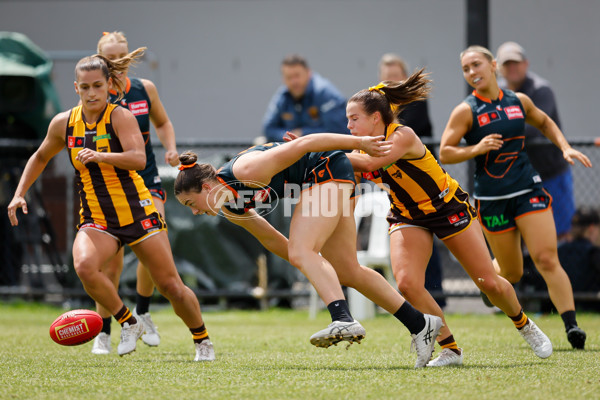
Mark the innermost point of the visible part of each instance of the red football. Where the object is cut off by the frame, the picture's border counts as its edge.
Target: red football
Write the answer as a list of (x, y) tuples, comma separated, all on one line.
[(76, 327)]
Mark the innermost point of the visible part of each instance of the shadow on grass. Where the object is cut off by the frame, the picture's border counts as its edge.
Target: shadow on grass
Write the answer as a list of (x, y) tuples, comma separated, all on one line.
[(572, 350)]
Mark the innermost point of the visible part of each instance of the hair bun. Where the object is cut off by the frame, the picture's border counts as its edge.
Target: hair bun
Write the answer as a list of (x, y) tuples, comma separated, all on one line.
[(188, 158)]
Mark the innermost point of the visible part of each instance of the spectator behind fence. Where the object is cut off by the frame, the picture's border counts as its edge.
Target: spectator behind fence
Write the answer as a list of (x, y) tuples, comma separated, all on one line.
[(306, 103), (511, 201), (546, 158), (415, 115), (580, 257)]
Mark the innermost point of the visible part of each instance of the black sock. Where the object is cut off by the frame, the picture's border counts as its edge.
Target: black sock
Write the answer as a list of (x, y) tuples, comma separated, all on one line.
[(142, 304), (569, 320), (106, 325), (339, 311), (411, 318)]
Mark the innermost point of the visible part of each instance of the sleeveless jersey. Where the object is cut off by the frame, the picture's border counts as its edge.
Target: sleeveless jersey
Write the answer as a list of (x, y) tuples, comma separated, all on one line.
[(109, 196), (506, 172), (304, 172), (416, 187), (136, 100)]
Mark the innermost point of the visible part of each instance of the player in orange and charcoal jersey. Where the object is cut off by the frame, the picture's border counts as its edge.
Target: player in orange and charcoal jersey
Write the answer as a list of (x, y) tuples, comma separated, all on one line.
[(425, 200), (509, 193), (105, 147)]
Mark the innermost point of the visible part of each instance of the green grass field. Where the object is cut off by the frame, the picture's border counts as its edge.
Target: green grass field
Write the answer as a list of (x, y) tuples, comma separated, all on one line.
[(267, 355)]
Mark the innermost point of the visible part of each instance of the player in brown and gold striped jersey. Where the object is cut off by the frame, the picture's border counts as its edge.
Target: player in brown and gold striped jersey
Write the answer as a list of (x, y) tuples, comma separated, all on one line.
[(105, 146)]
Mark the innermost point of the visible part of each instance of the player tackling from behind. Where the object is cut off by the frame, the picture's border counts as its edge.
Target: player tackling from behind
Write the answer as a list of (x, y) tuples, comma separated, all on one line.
[(322, 238)]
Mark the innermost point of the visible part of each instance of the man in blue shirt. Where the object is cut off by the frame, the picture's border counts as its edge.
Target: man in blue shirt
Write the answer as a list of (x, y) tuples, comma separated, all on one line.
[(306, 103)]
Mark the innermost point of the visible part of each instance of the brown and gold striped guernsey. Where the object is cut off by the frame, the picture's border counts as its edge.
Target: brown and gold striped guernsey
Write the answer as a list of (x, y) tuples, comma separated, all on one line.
[(109, 196), (417, 187)]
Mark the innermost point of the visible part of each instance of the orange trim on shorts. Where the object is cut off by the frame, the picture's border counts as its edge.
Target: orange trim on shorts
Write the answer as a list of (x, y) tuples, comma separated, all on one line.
[(353, 195), (156, 196), (497, 232), (487, 230)]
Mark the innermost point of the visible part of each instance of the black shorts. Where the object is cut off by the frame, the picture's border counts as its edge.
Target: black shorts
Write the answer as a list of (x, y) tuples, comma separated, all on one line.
[(498, 216), (329, 166), (131, 234), (455, 217)]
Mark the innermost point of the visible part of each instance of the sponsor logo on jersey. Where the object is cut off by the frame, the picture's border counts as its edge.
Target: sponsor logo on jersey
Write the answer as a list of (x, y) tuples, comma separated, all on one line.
[(107, 136), (538, 201), (495, 221), (487, 118), (371, 175), (145, 202), (74, 142), (138, 107), (444, 192), (459, 218), (513, 112), (149, 223), (93, 225)]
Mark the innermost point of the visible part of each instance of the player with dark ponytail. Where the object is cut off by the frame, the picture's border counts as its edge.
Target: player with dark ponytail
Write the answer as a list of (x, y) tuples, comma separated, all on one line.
[(322, 239), (426, 201)]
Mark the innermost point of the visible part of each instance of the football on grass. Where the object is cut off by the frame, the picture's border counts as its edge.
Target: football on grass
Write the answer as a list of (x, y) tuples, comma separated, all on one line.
[(76, 327)]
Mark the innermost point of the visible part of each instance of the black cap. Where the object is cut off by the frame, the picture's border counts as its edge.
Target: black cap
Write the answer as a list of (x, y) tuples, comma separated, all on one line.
[(585, 217)]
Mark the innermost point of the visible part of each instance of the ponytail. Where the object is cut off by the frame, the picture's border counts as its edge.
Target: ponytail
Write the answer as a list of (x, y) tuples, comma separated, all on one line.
[(391, 97)]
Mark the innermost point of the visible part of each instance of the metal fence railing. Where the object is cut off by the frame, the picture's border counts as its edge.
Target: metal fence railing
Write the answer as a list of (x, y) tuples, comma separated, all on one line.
[(36, 259)]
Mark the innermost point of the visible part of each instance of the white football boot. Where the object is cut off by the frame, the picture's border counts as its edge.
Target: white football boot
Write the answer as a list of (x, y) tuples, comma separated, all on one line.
[(338, 331), (150, 336), (205, 351), (102, 344), (129, 337), (424, 342), (446, 358), (536, 339)]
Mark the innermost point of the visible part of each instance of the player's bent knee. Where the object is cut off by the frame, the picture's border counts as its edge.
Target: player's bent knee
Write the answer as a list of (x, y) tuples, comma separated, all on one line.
[(86, 268), (491, 287), (172, 289), (513, 276), (546, 261), (408, 286), (296, 256)]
